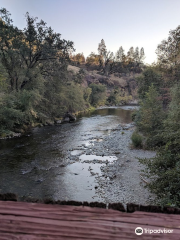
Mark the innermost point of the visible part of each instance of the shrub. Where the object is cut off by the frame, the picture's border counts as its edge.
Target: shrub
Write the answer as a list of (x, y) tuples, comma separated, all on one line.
[(151, 115), (164, 169), (98, 94), (136, 140), (133, 115)]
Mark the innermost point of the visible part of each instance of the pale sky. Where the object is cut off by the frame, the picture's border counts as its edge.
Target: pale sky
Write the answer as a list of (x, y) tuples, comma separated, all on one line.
[(126, 23)]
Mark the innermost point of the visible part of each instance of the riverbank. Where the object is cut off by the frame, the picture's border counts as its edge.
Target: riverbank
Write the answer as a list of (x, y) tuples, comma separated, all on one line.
[(26, 129)]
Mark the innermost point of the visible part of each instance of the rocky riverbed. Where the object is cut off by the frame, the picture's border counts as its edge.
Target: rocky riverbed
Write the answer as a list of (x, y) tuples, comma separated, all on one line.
[(119, 177)]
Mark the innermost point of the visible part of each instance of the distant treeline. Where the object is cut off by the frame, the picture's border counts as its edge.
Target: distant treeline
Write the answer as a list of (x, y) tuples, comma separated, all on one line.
[(108, 63)]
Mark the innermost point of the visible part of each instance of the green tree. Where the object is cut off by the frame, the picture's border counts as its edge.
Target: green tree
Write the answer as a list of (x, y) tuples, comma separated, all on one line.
[(173, 119), (168, 51), (87, 94), (34, 72), (164, 169), (120, 55), (151, 114), (141, 55), (102, 48), (136, 56), (28, 53), (148, 78), (106, 59), (72, 98), (131, 54), (98, 95), (168, 54)]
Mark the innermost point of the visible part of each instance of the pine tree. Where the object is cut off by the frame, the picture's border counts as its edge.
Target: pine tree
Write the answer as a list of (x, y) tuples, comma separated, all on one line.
[(142, 55), (136, 56), (120, 54), (102, 48), (131, 54)]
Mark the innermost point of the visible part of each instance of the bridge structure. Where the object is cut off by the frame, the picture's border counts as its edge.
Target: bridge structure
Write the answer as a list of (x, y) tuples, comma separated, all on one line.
[(24, 220)]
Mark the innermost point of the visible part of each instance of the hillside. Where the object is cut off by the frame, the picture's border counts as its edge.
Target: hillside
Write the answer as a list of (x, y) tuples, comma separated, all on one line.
[(126, 84)]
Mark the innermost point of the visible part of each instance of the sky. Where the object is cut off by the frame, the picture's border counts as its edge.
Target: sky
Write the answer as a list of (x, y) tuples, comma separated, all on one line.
[(126, 23)]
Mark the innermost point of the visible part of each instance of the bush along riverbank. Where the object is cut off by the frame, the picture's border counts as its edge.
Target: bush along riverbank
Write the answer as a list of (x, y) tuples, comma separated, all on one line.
[(158, 122), (25, 129)]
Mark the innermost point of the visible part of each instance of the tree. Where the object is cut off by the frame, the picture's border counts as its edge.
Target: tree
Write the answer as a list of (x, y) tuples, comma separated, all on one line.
[(151, 113), (92, 60), (28, 53), (120, 55), (87, 93), (102, 48), (72, 98), (173, 120), (142, 55), (106, 57), (107, 66), (78, 58), (168, 53), (98, 95), (34, 67), (131, 55), (136, 56), (148, 78), (164, 169)]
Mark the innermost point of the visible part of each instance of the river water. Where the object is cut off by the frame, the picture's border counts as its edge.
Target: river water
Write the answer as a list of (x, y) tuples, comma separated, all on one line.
[(49, 161)]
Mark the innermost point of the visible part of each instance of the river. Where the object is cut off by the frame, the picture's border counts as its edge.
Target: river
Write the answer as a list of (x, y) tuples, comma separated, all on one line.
[(49, 162)]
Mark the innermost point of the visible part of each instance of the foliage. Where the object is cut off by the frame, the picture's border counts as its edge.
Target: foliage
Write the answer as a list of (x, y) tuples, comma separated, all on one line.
[(148, 78), (136, 140), (120, 55), (118, 97), (151, 113), (164, 173), (98, 95), (35, 85), (106, 58), (27, 53), (173, 119), (87, 93), (168, 51), (77, 59), (78, 77), (120, 63), (72, 98), (33, 74), (92, 59), (164, 169), (162, 127)]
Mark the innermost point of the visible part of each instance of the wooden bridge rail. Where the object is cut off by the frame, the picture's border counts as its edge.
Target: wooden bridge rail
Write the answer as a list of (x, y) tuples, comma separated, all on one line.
[(22, 220)]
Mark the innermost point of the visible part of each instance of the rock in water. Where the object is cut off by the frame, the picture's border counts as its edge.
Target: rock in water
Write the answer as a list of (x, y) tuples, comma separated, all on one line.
[(69, 117)]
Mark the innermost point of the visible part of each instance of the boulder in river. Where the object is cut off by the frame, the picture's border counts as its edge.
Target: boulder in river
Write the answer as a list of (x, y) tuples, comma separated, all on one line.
[(58, 121), (68, 117)]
